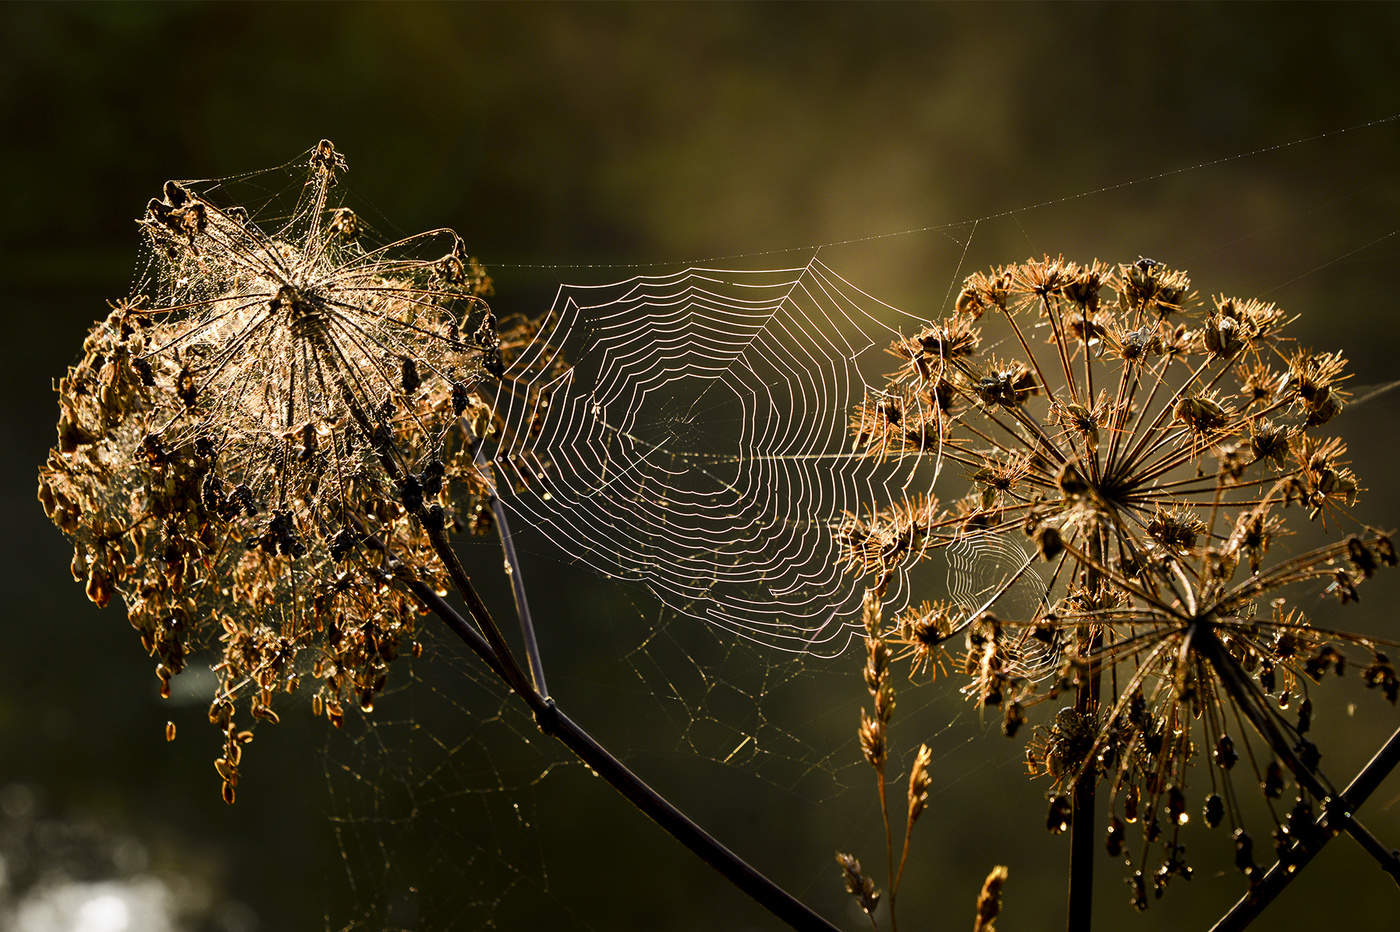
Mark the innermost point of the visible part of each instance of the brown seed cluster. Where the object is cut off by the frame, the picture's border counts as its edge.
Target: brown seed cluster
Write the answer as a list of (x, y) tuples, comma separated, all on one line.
[(1153, 448), (858, 883), (989, 900), (254, 438), (873, 735)]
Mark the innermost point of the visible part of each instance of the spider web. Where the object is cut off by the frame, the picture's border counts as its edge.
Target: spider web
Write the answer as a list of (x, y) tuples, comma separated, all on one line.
[(447, 804), (997, 573), (696, 444), (697, 441), (431, 801)]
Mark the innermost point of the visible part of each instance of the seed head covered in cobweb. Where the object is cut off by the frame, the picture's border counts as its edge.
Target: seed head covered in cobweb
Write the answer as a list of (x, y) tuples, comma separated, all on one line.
[(278, 391)]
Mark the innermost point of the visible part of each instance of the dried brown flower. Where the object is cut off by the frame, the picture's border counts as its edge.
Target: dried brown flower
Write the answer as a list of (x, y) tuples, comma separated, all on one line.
[(858, 884), (1152, 453), (989, 900), (270, 401)]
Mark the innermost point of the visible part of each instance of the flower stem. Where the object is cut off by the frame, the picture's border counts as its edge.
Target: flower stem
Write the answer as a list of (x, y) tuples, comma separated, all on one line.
[(1253, 903), (1081, 848), (554, 722), (1237, 684), (889, 845), (517, 588), (1080, 908)]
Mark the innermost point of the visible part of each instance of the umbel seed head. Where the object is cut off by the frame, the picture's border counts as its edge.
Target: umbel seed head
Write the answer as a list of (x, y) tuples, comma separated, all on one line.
[(251, 441), (1154, 450)]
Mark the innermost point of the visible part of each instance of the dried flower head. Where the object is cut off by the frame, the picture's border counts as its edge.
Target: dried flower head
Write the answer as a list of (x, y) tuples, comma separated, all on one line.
[(989, 900), (273, 398), (1153, 451), (858, 883), (920, 782)]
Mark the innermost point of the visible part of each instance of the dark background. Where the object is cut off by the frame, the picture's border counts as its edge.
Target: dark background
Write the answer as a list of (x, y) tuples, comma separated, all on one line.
[(627, 134)]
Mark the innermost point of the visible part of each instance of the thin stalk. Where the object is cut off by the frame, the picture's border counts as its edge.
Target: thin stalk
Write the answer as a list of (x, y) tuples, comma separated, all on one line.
[(506, 666), (554, 722), (1278, 877), (513, 675), (903, 860), (1080, 908), (1237, 686), (1079, 912), (517, 586), (889, 847), (522, 602)]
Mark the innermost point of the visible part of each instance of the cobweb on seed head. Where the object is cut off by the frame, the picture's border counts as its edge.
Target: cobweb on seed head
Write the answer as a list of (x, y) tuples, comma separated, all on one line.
[(698, 445), (697, 442), (999, 573)]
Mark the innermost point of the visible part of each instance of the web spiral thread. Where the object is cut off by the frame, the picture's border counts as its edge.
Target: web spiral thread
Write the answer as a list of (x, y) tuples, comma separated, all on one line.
[(697, 441)]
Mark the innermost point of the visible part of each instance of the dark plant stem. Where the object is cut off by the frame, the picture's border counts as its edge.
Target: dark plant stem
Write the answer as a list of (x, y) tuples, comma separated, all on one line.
[(517, 588), (1236, 683), (510, 670), (507, 667), (1081, 856), (484, 638), (552, 721), (1080, 908), (1278, 877)]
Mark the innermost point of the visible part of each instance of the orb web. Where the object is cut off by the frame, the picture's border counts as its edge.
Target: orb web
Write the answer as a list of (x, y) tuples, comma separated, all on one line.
[(450, 771), (696, 440), (997, 573)]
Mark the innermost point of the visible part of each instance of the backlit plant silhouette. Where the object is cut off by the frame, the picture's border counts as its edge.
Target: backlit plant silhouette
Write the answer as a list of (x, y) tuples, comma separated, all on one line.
[(236, 433), (263, 449), (1153, 448)]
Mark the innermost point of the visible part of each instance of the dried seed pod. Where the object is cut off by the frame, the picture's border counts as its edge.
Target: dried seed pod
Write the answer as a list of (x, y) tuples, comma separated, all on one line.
[(1139, 887), (1130, 804), (872, 740), (989, 900), (1113, 843), (858, 884), (1244, 853), (1225, 756), (1176, 805), (1214, 810), (1057, 819), (920, 780), (227, 770)]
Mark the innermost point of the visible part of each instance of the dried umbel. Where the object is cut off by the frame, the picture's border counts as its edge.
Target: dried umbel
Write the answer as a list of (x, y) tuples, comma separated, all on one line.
[(263, 429), (1151, 448)]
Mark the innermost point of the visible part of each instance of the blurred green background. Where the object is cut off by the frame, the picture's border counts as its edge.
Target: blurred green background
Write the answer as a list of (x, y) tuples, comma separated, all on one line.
[(624, 134)]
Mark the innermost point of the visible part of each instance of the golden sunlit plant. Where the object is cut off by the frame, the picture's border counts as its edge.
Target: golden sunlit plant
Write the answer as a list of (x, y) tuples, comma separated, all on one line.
[(237, 429), (1152, 449), (873, 734), (263, 450)]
